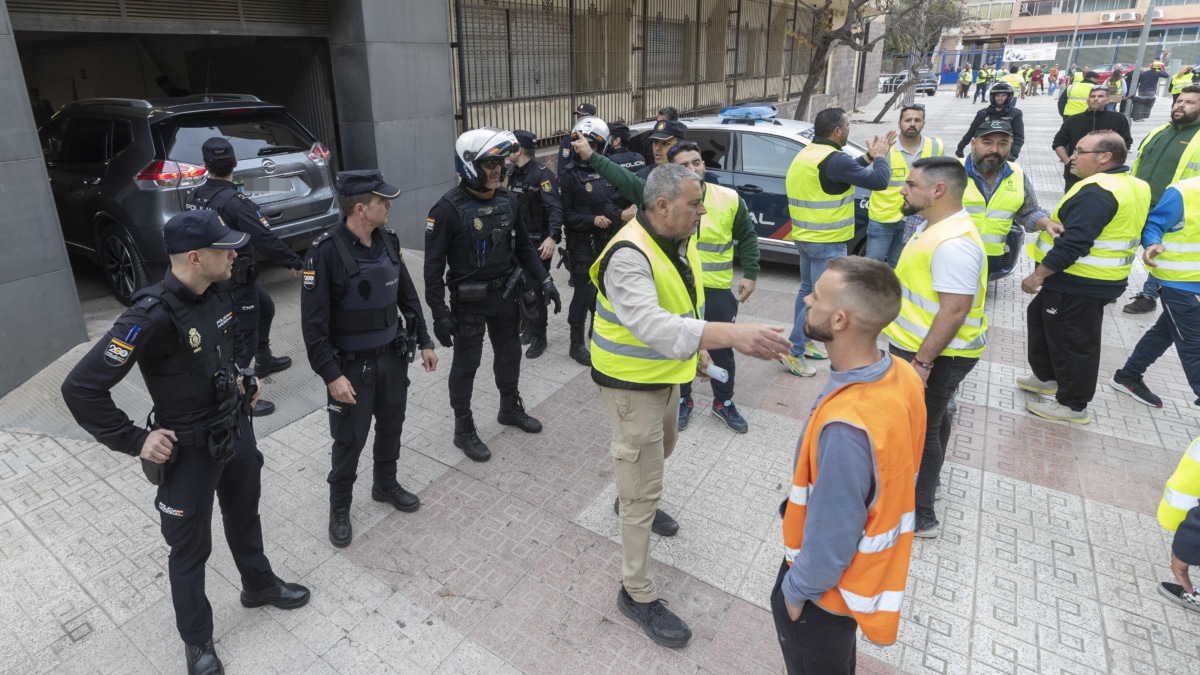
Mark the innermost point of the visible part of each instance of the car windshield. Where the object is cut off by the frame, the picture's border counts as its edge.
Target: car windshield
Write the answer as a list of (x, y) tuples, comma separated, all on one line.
[(252, 133)]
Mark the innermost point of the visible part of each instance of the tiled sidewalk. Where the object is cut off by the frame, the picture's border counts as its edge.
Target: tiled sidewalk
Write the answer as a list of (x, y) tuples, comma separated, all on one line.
[(1047, 564)]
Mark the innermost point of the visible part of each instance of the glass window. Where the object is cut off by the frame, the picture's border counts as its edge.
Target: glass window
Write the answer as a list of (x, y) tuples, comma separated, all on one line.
[(87, 141), (767, 155), (714, 146), (52, 137), (252, 134), (122, 136)]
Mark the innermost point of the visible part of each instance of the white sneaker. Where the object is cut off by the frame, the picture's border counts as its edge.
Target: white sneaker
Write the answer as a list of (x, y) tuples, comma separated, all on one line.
[(1031, 383), (1053, 410)]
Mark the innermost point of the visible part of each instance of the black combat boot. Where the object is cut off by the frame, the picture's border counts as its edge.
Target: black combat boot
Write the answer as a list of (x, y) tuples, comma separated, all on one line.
[(202, 659), (266, 363), (512, 413), (467, 439), (537, 347), (579, 350)]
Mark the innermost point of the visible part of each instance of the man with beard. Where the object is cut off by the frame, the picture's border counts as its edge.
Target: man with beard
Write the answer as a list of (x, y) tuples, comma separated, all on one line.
[(885, 229), (942, 327), (1082, 265), (852, 479), (1168, 155), (1001, 109), (1075, 127)]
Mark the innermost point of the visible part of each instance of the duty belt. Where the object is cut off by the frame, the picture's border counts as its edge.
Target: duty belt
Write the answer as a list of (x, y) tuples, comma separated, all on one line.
[(196, 434), (364, 353)]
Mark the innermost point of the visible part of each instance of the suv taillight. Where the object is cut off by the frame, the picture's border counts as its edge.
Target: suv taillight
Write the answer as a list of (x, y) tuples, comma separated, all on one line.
[(319, 154), (164, 174)]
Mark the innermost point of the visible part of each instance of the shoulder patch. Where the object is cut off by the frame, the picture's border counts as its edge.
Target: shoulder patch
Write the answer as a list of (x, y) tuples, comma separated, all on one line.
[(429, 224), (566, 152), (242, 196), (309, 279), (117, 352), (546, 186)]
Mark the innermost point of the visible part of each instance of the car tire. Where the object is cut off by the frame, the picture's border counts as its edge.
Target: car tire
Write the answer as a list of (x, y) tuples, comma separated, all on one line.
[(931, 92), (124, 268)]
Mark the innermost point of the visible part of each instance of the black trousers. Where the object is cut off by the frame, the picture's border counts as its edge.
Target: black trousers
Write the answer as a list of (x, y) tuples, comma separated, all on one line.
[(381, 391), (583, 299), (255, 311), (721, 305), (185, 505), (818, 643), (543, 315), (1064, 343), (501, 320)]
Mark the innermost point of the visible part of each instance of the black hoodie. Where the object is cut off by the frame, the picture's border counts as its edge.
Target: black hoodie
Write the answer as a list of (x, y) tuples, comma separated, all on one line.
[(1007, 113)]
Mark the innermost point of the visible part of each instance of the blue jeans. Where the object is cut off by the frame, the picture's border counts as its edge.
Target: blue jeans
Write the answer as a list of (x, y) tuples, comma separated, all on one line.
[(1179, 324), (812, 265), (1150, 288), (885, 241)]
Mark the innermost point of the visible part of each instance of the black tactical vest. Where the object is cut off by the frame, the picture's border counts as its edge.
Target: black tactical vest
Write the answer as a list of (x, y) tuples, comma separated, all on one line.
[(590, 193), (525, 184), (482, 246), (366, 317), (184, 386)]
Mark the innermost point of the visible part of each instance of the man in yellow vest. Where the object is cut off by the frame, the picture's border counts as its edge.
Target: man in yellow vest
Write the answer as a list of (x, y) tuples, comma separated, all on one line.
[(941, 328), (1081, 74), (1183, 78), (847, 521), (820, 188), (1074, 98), (1171, 240), (648, 338), (1082, 265), (885, 229), (1179, 511), (725, 227)]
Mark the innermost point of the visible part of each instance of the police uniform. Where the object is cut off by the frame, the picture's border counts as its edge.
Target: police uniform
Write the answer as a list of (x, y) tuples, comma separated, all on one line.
[(184, 344), (663, 130), (536, 189), (564, 145), (625, 158), (352, 329)]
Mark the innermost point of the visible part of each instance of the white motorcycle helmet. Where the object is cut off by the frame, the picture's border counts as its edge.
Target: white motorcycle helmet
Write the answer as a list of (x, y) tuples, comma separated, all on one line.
[(477, 145), (594, 129)]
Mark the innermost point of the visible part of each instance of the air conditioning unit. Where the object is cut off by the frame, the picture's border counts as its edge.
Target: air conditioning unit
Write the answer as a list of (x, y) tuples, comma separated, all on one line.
[(1157, 14), (1108, 17), (1129, 16)]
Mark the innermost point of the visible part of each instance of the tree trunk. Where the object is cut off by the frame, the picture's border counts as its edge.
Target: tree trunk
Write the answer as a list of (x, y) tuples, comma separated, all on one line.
[(912, 82), (816, 73)]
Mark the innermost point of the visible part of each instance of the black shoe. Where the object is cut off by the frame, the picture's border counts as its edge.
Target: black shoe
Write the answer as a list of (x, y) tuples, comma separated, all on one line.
[(467, 439), (262, 408), (341, 533), (202, 659), (397, 496), (536, 348), (282, 595), (660, 623), (526, 337), (685, 412), (265, 363), (664, 525), (580, 353), (1142, 304), (1135, 387), (512, 413)]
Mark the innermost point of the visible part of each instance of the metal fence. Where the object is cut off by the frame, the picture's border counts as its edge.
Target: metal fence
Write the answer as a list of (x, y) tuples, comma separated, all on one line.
[(527, 64)]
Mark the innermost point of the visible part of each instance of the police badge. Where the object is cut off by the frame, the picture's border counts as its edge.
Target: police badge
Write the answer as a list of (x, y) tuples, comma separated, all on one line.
[(587, 186), (194, 339), (478, 225)]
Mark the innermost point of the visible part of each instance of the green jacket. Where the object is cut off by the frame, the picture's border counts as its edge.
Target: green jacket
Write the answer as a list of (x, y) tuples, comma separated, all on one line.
[(631, 186), (1159, 159)]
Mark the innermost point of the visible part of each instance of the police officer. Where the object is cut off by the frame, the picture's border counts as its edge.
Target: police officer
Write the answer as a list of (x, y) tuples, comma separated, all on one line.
[(591, 216), (253, 306), (536, 189), (354, 281), (564, 146), (665, 135), (618, 149), (183, 334), (476, 244)]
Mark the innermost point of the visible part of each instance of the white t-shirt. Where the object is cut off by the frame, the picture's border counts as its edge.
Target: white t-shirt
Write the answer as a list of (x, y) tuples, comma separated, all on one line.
[(957, 264)]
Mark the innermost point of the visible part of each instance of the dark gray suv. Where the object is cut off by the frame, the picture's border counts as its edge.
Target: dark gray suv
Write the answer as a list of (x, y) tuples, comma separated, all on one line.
[(119, 168)]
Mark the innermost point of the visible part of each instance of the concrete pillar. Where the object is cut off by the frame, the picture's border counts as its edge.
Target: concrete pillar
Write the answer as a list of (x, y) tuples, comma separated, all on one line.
[(38, 302), (392, 71)]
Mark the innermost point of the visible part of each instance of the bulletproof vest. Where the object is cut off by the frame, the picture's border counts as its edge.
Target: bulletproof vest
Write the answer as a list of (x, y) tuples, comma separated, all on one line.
[(482, 245), (628, 159), (590, 193), (366, 317), (526, 184), (200, 378), (215, 198)]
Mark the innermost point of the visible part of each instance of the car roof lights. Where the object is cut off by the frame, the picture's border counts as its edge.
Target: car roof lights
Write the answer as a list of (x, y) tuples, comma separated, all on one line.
[(750, 113)]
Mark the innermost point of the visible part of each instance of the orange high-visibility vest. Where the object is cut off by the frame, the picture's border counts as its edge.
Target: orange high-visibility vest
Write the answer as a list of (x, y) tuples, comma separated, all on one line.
[(892, 412)]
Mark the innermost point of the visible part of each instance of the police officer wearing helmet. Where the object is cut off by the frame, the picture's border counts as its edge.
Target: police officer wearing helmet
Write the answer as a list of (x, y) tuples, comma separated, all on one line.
[(182, 333), (476, 244), (356, 286), (665, 135), (591, 216), (254, 308), (564, 146), (536, 189)]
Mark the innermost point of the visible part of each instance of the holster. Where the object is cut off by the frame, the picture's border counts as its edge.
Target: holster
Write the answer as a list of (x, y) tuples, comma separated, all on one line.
[(472, 291), (244, 270)]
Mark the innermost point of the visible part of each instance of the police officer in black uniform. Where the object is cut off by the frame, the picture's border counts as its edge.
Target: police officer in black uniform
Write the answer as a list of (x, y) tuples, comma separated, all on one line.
[(354, 282), (666, 134), (620, 154), (536, 189), (251, 303), (564, 146), (476, 244), (183, 334)]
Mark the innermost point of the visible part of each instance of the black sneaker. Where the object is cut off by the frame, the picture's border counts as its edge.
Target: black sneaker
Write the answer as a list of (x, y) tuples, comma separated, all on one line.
[(1135, 387), (1176, 594), (660, 623), (664, 525), (1142, 304), (685, 412)]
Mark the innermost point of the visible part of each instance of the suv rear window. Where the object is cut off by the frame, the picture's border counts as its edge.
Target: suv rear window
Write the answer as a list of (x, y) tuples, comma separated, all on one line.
[(251, 133)]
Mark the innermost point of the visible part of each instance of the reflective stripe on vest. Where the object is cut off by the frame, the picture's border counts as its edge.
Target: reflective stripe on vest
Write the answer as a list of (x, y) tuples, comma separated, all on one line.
[(1182, 492), (1189, 163), (994, 217), (1180, 261), (1077, 96), (826, 219), (884, 206), (616, 352), (1179, 82), (1111, 256), (715, 237), (919, 303), (892, 413)]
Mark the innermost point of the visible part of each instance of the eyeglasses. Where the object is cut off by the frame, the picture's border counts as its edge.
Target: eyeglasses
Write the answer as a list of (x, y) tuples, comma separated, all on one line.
[(1077, 151), (912, 106), (492, 163)]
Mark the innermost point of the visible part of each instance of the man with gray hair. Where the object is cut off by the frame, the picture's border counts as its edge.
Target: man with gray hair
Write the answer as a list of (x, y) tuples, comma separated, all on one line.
[(648, 338)]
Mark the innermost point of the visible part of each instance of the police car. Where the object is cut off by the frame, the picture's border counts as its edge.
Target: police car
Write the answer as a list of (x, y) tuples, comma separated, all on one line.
[(748, 149)]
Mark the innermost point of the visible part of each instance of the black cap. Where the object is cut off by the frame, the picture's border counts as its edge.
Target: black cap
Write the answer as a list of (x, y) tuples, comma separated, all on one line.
[(194, 230), (994, 127), (526, 139), (664, 129), (365, 180), (216, 148), (619, 130), (585, 109)]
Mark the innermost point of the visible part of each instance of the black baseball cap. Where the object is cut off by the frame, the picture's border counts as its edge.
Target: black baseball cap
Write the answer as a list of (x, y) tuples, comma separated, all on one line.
[(216, 148), (619, 130), (365, 180), (585, 109), (526, 139), (994, 127), (664, 129), (203, 228)]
